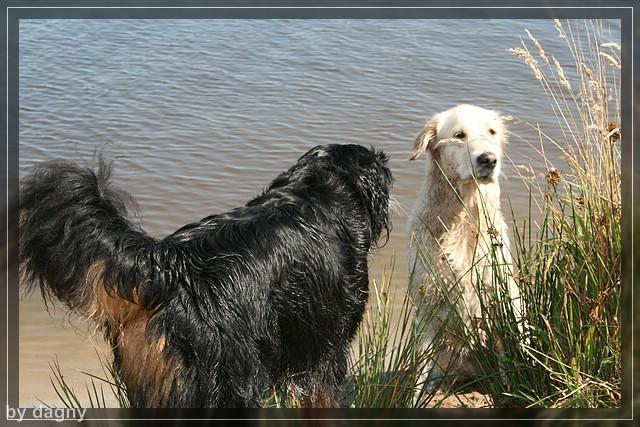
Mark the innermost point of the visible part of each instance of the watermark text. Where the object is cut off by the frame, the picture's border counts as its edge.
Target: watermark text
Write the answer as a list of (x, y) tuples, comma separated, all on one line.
[(44, 413)]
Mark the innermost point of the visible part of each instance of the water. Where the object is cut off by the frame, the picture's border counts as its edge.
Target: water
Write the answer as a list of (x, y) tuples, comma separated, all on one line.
[(200, 115)]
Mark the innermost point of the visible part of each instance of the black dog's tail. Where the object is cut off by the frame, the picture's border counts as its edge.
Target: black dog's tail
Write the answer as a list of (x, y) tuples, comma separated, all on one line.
[(78, 245)]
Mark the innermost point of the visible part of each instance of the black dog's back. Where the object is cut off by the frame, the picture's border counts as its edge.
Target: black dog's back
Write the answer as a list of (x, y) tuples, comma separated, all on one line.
[(223, 310)]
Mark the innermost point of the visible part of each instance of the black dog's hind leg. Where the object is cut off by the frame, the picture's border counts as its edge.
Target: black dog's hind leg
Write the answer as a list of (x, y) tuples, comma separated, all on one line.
[(322, 385)]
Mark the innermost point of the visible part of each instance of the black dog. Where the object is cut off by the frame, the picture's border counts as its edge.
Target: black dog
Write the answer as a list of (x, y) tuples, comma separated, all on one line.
[(222, 311)]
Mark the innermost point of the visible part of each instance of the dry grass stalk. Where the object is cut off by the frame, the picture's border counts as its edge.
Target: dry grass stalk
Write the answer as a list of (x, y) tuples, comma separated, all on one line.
[(541, 51), (611, 59), (528, 59), (561, 75), (611, 45), (558, 26)]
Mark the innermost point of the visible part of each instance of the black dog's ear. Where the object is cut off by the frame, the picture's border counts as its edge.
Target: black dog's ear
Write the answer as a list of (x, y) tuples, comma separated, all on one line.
[(426, 138), (374, 186)]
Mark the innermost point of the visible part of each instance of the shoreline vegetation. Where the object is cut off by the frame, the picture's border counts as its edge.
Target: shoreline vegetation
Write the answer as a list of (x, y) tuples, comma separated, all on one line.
[(566, 262)]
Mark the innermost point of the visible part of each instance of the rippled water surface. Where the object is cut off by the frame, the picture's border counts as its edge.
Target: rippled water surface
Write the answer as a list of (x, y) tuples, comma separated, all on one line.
[(200, 115)]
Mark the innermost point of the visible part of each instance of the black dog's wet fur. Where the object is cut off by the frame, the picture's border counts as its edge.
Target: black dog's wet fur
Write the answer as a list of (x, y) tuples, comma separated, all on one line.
[(222, 311)]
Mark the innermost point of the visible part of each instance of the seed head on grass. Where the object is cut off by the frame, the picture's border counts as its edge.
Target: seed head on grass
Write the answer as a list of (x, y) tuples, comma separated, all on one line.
[(553, 176), (558, 25), (528, 58), (561, 75), (613, 132), (613, 61), (611, 45), (541, 51)]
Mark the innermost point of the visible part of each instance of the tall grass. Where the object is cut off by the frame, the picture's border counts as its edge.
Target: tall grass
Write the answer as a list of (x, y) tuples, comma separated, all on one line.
[(387, 365), (569, 271), (388, 359), (100, 391), (566, 263)]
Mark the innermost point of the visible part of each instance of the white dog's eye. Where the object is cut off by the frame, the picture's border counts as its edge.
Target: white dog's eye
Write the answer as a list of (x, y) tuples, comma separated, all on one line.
[(459, 134), (492, 131)]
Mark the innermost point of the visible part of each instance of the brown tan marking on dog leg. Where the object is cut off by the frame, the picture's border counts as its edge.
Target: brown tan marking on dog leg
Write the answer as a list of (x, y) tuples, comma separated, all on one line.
[(320, 397), (143, 364)]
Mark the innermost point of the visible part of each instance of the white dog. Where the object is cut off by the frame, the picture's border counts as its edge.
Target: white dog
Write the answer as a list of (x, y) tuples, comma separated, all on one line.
[(458, 231)]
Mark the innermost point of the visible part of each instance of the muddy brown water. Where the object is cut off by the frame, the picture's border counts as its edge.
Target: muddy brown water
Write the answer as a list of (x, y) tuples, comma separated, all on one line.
[(200, 115)]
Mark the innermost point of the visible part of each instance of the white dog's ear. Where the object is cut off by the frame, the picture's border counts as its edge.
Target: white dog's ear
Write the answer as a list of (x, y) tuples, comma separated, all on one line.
[(503, 131), (426, 137)]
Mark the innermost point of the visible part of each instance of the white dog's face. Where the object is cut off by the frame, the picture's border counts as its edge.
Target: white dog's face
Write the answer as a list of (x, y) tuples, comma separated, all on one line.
[(466, 142)]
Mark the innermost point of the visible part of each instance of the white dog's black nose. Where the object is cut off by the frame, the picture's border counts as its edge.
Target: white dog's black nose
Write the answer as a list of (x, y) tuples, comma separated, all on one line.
[(487, 160)]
